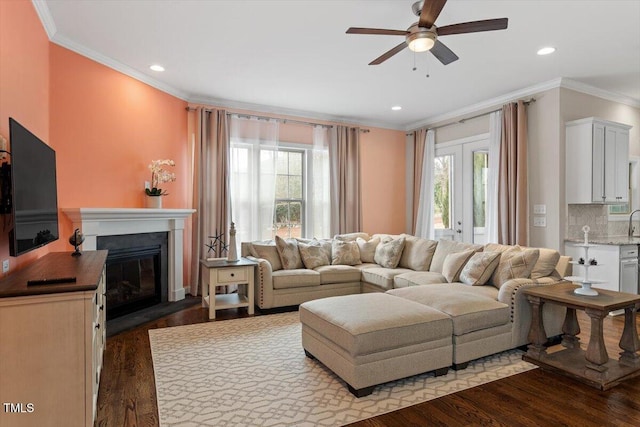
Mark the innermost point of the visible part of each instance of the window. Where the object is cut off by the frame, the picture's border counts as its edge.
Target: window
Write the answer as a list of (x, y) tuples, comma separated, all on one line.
[(289, 198), (278, 188)]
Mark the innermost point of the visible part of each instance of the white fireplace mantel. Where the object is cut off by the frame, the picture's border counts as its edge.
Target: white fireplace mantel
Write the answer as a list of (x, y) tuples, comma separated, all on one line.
[(94, 222)]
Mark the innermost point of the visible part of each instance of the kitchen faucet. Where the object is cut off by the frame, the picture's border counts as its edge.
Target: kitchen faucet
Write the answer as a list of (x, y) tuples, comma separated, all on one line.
[(631, 228)]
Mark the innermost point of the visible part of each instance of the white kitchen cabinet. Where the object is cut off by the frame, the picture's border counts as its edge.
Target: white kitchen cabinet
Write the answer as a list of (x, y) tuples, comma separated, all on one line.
[(597, 161), (618, 265)]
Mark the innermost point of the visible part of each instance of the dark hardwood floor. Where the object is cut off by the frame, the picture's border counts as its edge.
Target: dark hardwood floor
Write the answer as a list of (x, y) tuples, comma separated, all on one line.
[(536, 398)]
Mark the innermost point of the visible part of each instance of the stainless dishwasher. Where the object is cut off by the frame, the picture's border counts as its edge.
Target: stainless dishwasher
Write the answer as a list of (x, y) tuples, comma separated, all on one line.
[(629, 269)]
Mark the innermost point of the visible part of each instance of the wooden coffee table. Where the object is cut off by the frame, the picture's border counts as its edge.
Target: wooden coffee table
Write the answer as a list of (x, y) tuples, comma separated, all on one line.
[(593, 366)]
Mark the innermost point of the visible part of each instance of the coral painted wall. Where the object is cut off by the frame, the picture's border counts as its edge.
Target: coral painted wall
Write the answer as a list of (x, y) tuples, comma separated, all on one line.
[(382, 163), (24, 87)]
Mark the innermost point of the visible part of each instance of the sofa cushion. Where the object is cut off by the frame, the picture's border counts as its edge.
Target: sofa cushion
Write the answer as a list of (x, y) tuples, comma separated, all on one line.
[(369, 323), (338, 274), (417, 278), (344, 253), (454, 263), (289, 253), (367, 248), (546, 264), (388, 252), (469, 312), (446, 247), (479, 268), (314, 254), (382, 277), (515, 263), (287, 279), (351, 237), (268, 252), (417, 253)]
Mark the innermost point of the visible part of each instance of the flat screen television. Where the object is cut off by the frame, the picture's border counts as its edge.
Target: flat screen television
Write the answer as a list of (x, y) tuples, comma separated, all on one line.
[(34, 191)]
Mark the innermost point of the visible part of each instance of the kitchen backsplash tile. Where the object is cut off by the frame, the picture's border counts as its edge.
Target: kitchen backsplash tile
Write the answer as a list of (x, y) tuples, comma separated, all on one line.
[(596, 217)]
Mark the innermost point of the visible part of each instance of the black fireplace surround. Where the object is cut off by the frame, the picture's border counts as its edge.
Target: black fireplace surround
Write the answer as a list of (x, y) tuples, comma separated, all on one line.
[(137, 271)]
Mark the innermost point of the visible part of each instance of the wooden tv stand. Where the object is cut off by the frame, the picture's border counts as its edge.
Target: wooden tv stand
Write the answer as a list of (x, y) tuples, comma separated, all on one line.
[(51, 341)]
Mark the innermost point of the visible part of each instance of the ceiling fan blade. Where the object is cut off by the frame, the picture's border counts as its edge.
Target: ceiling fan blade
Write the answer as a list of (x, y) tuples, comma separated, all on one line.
[(443, 53), (376, 31), (389, 54), (430, 11), (474, 27)]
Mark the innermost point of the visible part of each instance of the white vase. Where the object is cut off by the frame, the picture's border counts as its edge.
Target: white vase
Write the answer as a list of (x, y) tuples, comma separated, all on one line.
[(232, 253), (153, 202)]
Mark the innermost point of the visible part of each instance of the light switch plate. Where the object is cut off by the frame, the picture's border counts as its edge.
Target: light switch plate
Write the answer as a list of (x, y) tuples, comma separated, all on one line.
[(539, 221), (540, 209)]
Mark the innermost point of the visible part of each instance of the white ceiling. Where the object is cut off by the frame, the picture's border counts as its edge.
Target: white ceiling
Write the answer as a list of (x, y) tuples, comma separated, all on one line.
[(294, 55)]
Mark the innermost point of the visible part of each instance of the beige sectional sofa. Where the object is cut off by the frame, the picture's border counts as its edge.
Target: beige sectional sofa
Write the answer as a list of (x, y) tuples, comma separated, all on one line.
[(478, 288)]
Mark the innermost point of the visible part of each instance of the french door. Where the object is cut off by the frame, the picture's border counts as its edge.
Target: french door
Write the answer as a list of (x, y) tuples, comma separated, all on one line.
[(460, 189)]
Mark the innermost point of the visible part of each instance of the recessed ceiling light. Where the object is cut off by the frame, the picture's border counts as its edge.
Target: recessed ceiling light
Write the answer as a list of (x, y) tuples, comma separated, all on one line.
[(396, 108), (546, 50), (156, 67)]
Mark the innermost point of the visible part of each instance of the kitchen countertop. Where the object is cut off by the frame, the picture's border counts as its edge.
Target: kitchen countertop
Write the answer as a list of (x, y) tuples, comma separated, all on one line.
[(609, 240)]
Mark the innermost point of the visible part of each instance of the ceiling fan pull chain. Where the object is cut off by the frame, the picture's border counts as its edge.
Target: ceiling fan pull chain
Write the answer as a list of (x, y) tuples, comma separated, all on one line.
[(414, 61)]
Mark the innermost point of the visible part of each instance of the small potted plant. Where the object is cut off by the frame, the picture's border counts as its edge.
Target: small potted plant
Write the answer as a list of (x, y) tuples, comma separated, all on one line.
[(159, 175)]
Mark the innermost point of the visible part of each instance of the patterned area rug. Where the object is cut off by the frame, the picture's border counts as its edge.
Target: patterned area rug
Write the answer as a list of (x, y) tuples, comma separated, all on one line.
[(253, 372)]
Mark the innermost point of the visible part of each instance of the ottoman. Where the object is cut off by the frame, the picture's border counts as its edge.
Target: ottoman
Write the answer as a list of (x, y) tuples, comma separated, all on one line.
[(370, 339), (481, 325)]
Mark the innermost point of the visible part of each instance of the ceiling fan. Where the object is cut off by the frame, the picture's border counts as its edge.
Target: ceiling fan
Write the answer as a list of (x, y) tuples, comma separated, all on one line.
[(423, 35)]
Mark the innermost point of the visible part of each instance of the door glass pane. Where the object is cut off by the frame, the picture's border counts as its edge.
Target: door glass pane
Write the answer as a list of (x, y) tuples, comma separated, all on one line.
[(442, 192), (480, 170), (480, 165)]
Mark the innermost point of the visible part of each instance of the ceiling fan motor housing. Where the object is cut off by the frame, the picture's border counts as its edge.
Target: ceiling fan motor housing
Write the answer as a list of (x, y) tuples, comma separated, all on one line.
[(421, 39)]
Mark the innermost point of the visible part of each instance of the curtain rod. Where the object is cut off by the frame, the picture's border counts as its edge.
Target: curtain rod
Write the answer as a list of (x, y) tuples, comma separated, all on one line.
[(460, 121), (275, 118)]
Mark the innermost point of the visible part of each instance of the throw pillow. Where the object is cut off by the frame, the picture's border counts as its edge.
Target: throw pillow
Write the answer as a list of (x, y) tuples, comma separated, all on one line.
[(446, 247), (344, 253), (267, 252), (388, 252), (289, 253), (454, 263), (479, 268), (417, 253), (351, 237), (367, 249), (514, 264), (546, 264), (314, 254)]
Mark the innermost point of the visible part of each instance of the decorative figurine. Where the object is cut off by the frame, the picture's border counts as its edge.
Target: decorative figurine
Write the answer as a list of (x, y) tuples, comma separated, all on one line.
[(586, 229), (76, 240), (581, 260)]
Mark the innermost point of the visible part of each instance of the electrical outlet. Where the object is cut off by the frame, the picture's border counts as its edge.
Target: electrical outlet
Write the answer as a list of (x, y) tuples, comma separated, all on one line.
[(5, 265)]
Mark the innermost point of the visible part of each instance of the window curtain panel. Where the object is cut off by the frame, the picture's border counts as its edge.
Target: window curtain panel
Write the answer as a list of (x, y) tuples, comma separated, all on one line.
[(512, 176), (346, 204), (424, 222), (495, 132), (419, 143), (254, 150), (210, 180), (318, 212)]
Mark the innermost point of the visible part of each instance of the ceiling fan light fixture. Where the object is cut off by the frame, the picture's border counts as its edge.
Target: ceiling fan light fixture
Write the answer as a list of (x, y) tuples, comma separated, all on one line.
[(421, 41)]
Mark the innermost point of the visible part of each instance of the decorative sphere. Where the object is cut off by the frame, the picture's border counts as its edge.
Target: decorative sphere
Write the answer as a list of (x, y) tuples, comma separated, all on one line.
[(76, 238)]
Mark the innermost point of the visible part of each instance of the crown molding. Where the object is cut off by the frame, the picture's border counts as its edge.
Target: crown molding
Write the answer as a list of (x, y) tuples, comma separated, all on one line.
[(561, 82), (488, 104), (600, 93), (118, 66), (42, 9), (282, 111)]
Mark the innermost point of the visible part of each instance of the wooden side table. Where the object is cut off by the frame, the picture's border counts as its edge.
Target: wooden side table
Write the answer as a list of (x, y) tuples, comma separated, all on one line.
[(593, 366), (220, 272)]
